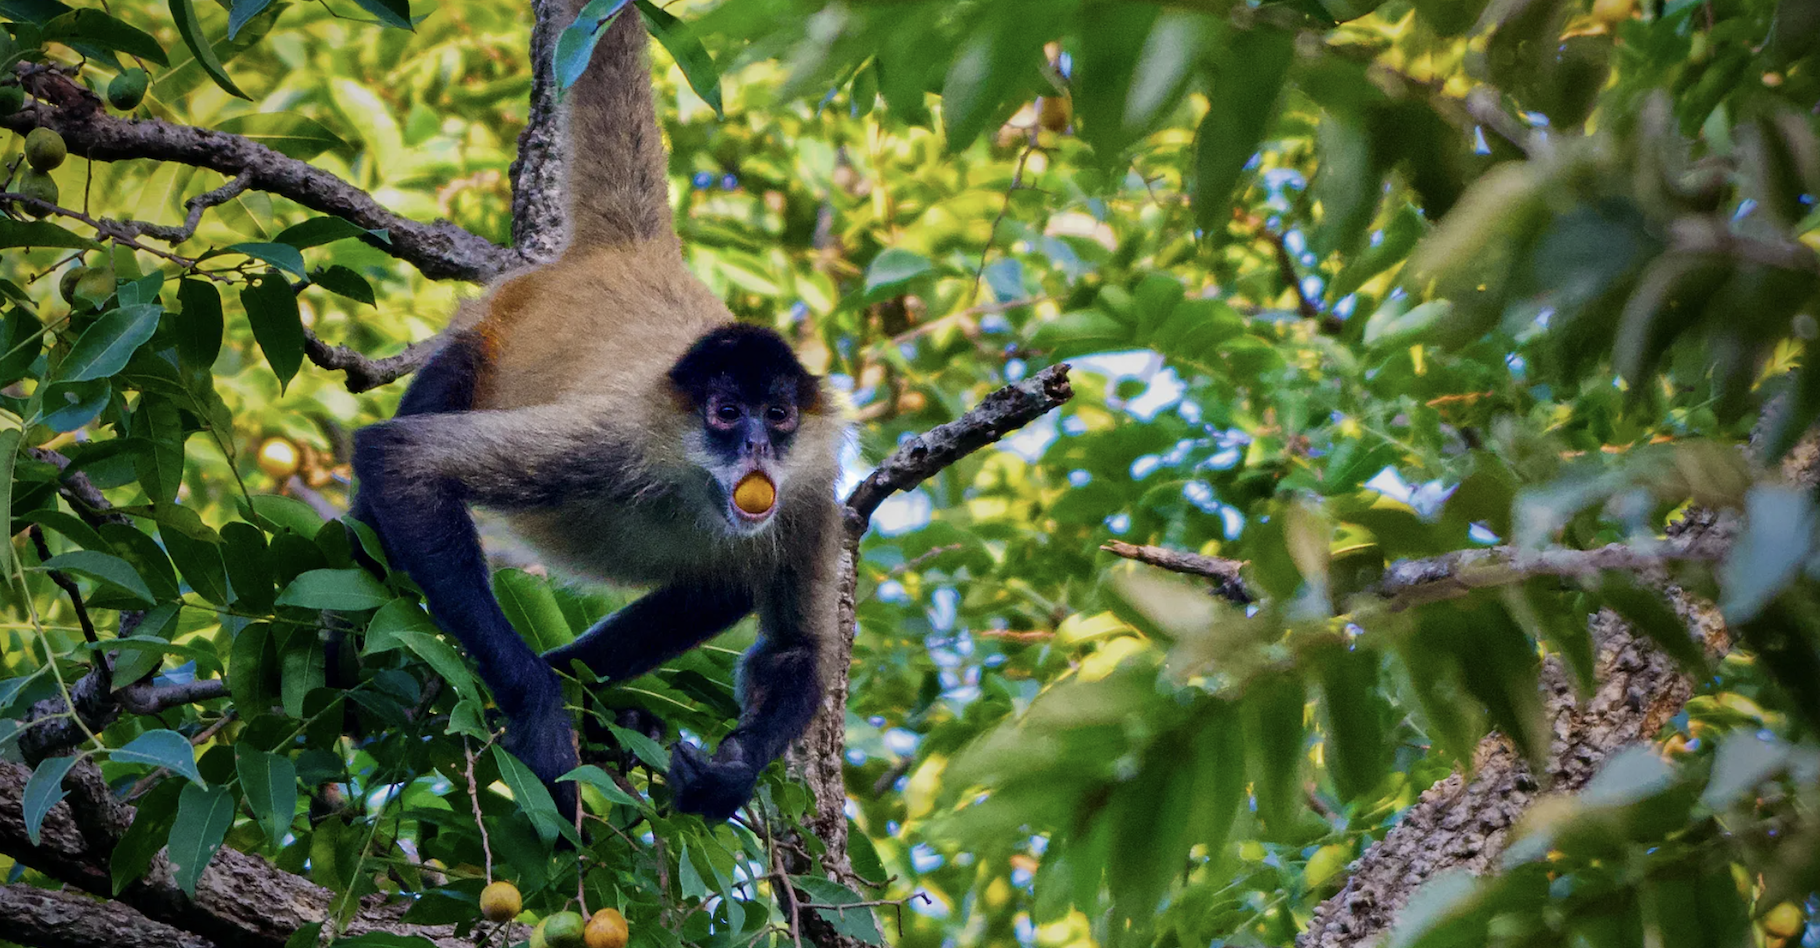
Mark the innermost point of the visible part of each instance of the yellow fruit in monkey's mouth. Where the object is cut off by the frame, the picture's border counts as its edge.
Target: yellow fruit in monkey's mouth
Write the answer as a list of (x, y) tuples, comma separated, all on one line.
[(755, 494)]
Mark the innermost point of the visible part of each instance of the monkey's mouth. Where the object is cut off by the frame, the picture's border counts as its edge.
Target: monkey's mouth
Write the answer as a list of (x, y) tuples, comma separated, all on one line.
[(754, 498)]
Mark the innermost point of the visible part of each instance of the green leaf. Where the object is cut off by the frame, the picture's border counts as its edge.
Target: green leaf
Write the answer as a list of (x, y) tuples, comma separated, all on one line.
[(396, 13), (161, 748), (392, 619), (1743, 761), (203, 817), (70, 405), (992, 68), (253, 668), (1353, 709), (271, 306), (648, 751), (42, 792), (895, 267), (1778, 538), (199, 324), (200, 563), (104, 568), (302, 666), (107, 32), (242, 12), (276, 513), (530, 795), (1441, 906), (531, 608), (269, 783), (287, 133), (345, 282), (134, 664), (349, 590), (324, 230), (9, 453), (106, 345), (697, 66), (280, 255), (152, 818), (158, 448), (856, 922), (575, 45), (1250, 78), (443, 658), (602, 781), (1272, 709), (40, 234), (183, 14)]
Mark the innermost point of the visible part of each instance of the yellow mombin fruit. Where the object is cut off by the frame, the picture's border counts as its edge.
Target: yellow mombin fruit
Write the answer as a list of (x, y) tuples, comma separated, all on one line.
[(607, 929), (44, 149), (755, 493), (563, 930), (499, 901), (12, 98), (66, 285), (279, 459), (1784, 921), (36, 184), (537, 938), (127, 89)]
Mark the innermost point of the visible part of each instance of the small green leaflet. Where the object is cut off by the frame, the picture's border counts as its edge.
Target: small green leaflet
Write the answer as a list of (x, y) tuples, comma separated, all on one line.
[(40, 234), (575, 47), (287, 133), (390, 12), (343, 281), (199, 325), (531, 795), (9, 451), (856, 922), (602, 781), (397, 616), (697, 66), (42, 792), (439, 655), (271, 306), (107, 32), (894, 267), (161, 748), (242, 12), (648, 751), (203, 818), (269, 783), (105, 346), (104, 568), (322, 230), (349, 590), (281, 255), (183, 14)]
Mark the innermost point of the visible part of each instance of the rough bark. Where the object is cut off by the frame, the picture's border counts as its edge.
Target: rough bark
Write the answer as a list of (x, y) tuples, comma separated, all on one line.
[(538, 225), (240, 900), (44, 918)]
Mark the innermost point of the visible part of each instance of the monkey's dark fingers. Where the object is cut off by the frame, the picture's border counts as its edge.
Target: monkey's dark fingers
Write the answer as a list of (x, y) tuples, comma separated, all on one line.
[(713, 788)]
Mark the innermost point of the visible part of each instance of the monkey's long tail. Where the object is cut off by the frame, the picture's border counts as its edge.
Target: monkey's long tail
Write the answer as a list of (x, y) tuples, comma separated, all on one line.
[(617, 189)]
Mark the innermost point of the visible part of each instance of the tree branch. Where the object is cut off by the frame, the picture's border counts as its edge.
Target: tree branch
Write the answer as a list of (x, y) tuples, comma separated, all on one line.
[(240, 900), (1224, 572), (364, 373), (441, 251), (42, 918), (921, 457)]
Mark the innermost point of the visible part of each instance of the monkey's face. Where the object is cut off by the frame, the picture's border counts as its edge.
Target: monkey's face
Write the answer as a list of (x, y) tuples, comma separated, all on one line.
[(750, 393)]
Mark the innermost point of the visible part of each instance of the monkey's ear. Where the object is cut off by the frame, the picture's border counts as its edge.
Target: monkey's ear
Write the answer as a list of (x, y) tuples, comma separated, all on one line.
[(808, 393)]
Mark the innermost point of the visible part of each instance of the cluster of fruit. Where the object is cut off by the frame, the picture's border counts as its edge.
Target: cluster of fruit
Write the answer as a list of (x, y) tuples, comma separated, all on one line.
[(44, 148), (500, 902)]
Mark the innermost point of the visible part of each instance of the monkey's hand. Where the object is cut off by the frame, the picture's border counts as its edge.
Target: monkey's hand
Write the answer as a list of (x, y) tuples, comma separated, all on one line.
[(546, 744), (715, 788)]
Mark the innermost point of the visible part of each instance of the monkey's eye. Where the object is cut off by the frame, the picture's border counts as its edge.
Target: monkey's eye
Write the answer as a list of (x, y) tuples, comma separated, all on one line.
[(777, 414), (727, 412)]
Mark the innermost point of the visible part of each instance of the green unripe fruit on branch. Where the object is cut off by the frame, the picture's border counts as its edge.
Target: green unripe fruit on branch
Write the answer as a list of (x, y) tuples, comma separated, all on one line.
[(44, 149), (66, 286), (37, 184), (563, 930), (127, 90), (12, 98)]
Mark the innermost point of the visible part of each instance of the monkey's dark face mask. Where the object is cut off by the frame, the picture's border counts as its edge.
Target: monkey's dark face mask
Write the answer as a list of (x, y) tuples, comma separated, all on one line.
[(751, 393)]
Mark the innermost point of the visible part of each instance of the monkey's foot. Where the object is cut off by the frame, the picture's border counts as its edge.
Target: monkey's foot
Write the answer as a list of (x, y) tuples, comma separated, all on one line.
[(546, 744), (714, 788)]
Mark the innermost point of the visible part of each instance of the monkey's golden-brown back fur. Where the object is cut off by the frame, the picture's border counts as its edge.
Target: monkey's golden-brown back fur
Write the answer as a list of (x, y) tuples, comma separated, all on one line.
[(618, 190)]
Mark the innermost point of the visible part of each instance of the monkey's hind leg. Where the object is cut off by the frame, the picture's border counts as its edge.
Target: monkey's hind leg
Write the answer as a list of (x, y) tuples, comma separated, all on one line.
[(417, 475)]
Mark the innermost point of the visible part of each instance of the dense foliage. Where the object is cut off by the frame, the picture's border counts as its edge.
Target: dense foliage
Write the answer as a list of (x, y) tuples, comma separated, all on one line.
[(1344, 283)]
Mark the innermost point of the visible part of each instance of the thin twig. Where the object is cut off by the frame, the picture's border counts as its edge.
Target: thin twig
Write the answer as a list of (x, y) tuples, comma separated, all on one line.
[(193, 208), (1223, 572), (364, 373), (486, 847)]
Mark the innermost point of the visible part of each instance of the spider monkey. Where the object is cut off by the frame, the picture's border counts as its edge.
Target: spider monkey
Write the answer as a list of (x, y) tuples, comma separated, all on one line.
[(609, 406)]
